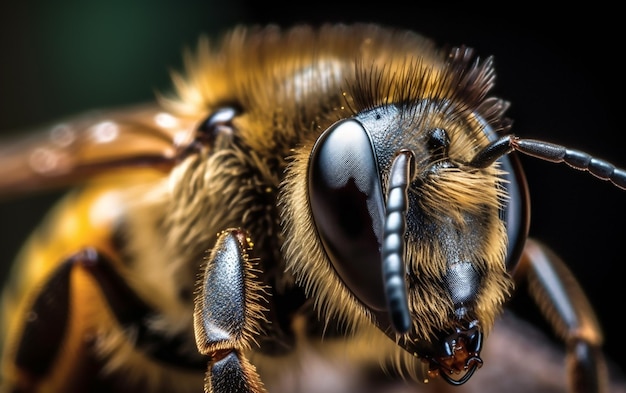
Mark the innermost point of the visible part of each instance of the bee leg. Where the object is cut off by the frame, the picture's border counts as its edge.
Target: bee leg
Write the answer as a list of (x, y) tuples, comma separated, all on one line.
[(562, 300), (44, 329), (227, 314), (53, 322)]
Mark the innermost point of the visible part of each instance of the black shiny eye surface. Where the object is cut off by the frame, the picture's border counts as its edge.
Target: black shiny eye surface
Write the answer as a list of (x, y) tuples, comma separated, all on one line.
[(219, 123), (438, 143), (348, 208), (516, 212)]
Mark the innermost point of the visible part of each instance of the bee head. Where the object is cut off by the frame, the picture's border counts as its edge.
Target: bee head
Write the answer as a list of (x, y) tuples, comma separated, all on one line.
[(415, 234), (403, 228)]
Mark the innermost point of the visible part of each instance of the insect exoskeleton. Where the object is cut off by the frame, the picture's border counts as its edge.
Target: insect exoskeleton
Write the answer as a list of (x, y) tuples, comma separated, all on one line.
[(348, 188)]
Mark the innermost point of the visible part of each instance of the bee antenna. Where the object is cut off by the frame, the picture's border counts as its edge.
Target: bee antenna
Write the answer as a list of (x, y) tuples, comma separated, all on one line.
[(550, 152), (394, 243)]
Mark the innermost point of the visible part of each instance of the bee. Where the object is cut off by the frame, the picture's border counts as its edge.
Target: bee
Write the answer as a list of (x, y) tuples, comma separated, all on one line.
[(352, 191)]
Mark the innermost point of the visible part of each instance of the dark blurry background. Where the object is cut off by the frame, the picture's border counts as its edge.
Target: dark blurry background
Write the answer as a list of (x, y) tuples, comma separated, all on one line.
[(562, 71)]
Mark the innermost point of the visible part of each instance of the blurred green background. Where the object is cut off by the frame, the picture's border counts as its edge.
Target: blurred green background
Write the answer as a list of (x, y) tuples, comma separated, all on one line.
[(60, 57), (561, 73)]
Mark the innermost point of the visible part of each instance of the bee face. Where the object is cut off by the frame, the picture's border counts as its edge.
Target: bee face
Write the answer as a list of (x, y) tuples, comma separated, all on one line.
[(453, 244), (357, 178)]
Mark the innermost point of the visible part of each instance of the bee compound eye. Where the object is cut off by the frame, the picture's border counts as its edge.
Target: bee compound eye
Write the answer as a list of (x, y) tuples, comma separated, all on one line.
[(218, 123), (348, 208)]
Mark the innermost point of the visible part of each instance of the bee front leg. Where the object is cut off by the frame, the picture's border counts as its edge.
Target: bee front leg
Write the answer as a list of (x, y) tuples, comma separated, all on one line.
[(563, 302), (227, 313)]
